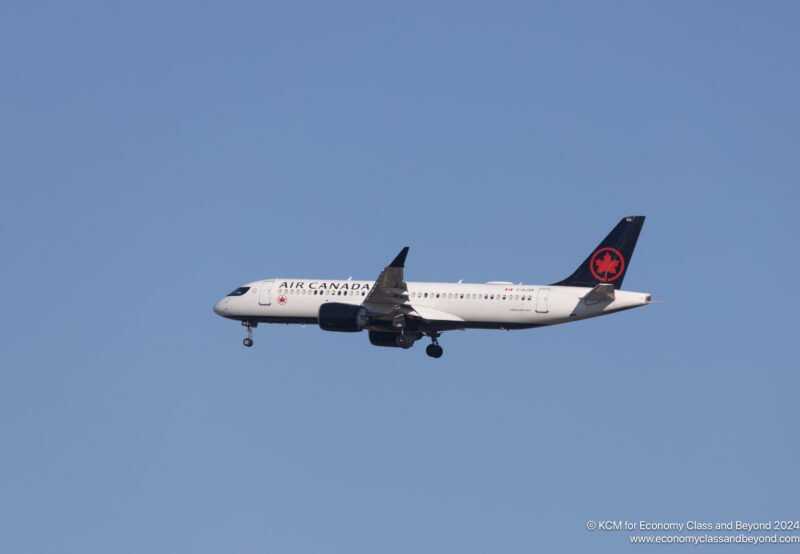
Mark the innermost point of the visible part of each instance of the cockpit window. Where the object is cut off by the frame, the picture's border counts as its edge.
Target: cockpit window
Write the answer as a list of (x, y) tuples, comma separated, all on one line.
[(240, 291)]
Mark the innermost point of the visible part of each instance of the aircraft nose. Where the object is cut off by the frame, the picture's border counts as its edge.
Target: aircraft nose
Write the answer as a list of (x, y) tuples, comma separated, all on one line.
[(222, 306)]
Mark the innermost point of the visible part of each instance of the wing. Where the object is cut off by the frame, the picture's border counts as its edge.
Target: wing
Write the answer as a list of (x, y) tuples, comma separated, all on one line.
[(388, 300), (389, 293)]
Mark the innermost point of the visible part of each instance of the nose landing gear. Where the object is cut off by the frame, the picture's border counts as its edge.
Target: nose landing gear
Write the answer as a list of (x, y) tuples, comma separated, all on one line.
[(248, 342), (434, 350)]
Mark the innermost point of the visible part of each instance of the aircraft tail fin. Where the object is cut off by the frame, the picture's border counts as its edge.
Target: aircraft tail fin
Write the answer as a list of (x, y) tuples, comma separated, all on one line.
[(610, 260)]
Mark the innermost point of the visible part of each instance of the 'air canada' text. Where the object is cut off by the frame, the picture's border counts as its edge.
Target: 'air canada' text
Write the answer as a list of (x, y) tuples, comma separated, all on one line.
[(327, 285)]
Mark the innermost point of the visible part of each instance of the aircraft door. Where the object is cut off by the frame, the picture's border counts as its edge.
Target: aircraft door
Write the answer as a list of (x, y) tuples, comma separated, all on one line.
[(265, 293), (541, 301)]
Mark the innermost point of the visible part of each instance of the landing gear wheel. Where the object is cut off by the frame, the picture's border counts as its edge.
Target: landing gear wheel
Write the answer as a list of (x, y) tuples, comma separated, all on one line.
[(404, 341), (248, 342), (434, 351)]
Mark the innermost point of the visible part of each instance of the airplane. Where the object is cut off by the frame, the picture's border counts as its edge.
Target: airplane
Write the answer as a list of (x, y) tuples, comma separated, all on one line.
[(397, 313)]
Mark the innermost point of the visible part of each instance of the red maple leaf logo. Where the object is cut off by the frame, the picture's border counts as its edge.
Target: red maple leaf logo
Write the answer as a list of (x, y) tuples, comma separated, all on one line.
[(609, 264), (606, 264)]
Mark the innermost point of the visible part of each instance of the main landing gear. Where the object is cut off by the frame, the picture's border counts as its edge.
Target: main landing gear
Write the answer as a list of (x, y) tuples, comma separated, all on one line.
[(404, 341), (248, 342), (434, 350)]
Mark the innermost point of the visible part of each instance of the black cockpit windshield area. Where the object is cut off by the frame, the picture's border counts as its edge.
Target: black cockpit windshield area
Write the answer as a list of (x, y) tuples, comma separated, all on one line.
[(240, 291)]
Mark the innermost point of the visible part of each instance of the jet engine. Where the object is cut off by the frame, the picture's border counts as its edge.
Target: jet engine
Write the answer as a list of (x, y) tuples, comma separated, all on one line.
[(348, 318)]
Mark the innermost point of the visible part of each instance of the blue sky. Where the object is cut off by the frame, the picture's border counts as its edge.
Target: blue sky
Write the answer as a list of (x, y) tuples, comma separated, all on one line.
[(157, 155)]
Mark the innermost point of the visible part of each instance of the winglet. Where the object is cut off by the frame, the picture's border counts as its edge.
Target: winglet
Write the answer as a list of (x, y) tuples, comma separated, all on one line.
[(400, 260)]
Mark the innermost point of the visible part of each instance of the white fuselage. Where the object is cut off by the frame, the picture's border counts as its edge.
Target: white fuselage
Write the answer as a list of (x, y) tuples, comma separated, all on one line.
[(498, 305)]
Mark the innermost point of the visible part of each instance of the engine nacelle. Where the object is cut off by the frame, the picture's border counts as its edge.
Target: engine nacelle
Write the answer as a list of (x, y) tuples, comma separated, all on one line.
[(389, 338), (347, 318)]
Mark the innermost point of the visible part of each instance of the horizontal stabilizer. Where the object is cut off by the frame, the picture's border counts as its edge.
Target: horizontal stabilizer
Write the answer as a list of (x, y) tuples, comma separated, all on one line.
[(604, 292)]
